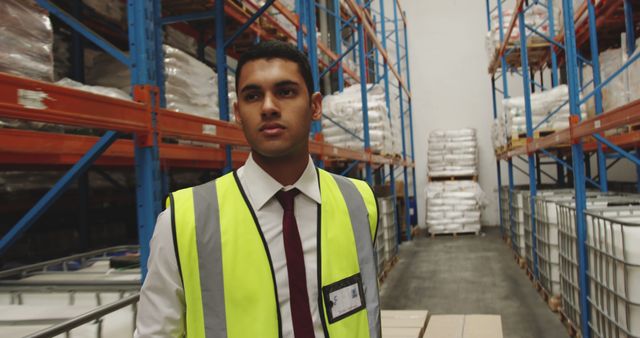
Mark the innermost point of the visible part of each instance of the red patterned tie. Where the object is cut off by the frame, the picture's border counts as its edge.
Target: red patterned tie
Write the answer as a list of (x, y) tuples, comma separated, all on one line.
[(300, 310)]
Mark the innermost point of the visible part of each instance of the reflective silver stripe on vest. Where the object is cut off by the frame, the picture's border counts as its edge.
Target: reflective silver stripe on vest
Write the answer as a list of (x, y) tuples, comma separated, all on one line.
[(205, 202), (362, 233)]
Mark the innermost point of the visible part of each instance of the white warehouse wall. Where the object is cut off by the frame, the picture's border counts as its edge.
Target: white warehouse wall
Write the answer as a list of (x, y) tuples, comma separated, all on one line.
[(450, 84)]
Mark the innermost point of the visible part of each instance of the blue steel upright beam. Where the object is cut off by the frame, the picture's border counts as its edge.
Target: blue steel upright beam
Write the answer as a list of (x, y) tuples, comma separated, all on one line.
[(144, 48), (363, 92), (300, 9), (595, 64), (505, 92), (577, 156), (221, 68), (402, 127), (495, 116), (387, 98), (312, 47), (413, 153), (524, 59), (512, 223), (338, 41), (552, 36)]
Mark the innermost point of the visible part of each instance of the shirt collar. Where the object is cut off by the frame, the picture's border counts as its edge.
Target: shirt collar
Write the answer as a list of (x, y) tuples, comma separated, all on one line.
[(262, 187)]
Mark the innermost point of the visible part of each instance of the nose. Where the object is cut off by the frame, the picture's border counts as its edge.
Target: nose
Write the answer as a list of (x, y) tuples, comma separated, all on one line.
[(270, 106)]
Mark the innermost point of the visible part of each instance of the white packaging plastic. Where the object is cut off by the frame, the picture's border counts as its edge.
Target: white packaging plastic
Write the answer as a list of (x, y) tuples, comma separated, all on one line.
[(190, 86), (454, 206), (452, 153), (343, 123), (26, 40)]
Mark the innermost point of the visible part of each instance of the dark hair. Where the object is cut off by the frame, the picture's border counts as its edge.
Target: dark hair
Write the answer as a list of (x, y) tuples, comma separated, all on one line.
[(277, 50)]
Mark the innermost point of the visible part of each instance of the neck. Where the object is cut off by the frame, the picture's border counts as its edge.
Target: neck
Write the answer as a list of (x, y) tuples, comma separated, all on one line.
[(286, 170)]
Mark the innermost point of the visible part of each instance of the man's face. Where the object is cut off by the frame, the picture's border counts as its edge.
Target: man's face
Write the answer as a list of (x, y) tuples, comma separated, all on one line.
[(274, 108)]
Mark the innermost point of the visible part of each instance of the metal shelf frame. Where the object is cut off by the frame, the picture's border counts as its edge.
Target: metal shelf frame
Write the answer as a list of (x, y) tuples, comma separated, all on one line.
[(584, 137), (146, 119)]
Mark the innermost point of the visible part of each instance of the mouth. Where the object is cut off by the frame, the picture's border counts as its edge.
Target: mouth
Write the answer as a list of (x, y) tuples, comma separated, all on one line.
[(272, 129)]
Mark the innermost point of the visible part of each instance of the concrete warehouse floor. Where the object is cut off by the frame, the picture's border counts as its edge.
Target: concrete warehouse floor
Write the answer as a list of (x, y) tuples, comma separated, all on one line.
[(469, 275)]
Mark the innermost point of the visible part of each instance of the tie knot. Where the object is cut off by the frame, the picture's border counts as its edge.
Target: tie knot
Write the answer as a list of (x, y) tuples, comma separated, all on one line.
[(286, 198)]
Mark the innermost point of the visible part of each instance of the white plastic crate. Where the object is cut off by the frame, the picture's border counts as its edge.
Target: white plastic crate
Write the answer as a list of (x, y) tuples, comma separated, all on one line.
[(613, 236), (569, 266)]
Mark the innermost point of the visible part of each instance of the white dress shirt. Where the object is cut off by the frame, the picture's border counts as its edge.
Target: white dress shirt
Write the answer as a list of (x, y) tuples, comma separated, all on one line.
[(161, 307)]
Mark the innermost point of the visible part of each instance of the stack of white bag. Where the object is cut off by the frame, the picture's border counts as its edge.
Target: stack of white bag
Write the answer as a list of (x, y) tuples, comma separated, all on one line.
[(499, 133), (543, 104), (453, 153), (537, 17), (626, 86), (454, 206), (190, 86), (112, 10), (344, 111), (26, 40)]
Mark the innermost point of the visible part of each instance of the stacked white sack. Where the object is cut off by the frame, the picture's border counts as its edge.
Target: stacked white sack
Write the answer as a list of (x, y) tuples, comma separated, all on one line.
[(112, 10), (26, 40), (537, 17), (344, 111), (452, 153), (543, 104), (454, 206), (190, 86)]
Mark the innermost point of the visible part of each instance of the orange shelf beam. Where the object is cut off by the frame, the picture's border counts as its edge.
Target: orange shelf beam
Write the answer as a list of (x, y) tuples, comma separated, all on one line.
[(32, 100), (628, 114)]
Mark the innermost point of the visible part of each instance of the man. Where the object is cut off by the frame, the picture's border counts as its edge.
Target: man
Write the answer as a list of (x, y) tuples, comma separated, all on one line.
[(278, 248)]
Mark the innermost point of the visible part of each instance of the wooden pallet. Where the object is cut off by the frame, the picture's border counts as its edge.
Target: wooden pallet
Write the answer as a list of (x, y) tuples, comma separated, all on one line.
[(453, 178), (388, 265), (522, 263), (518, 140), (571, 327), (553, 301), (452, 233)]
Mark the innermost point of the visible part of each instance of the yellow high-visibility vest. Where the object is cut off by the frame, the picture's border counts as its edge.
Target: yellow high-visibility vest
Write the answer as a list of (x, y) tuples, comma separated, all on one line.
[(229, 283)]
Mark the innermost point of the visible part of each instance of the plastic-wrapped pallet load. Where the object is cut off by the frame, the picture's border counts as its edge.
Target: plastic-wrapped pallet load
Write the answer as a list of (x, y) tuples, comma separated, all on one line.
[(344, 111), (186, 43), (616, 93), (190, 86), (387, 226), (543, 104), (454, 206), (452, 153), (112, 10), (537, 17), (26, 40)]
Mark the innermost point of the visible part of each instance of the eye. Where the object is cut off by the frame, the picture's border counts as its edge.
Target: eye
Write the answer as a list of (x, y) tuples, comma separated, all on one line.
[(251, 96), (287, 92)]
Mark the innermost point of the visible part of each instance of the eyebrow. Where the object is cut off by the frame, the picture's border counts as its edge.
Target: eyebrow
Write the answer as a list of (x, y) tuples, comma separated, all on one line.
[(284, 83)]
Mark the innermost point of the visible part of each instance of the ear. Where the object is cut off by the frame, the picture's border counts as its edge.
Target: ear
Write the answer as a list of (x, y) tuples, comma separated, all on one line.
[(316, 106), (236, 113)]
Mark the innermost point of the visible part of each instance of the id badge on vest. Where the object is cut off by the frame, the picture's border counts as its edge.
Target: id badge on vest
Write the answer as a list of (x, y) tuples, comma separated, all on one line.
[(344, 298)]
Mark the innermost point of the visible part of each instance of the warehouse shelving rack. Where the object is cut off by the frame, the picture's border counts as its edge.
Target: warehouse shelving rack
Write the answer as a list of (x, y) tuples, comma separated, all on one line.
[(584, 29), (150, 123)]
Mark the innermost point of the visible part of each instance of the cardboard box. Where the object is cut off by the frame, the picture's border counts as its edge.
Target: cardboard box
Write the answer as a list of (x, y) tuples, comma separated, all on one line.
[(461, 326), (482, 326), (445, 326), (403, 323)]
